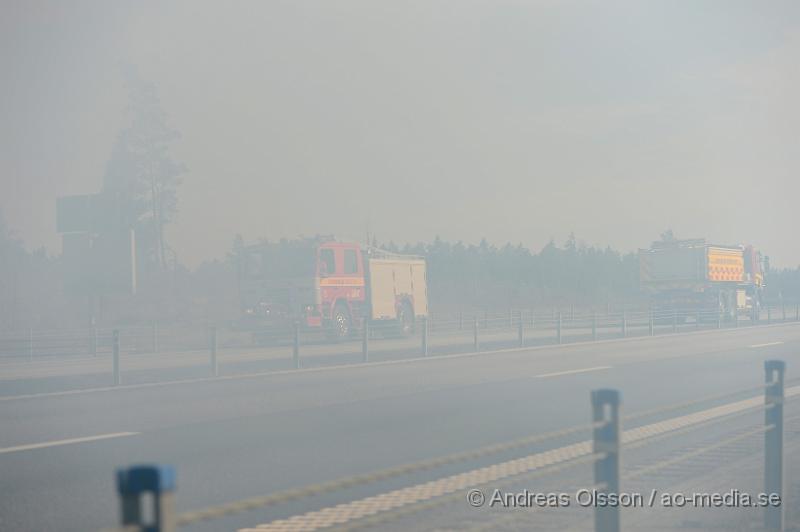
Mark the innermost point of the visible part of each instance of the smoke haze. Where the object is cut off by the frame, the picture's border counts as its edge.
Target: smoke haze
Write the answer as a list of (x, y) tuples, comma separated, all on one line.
[(514, 121)]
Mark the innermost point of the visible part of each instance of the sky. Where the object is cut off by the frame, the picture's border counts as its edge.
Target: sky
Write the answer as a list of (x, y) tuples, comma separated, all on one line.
[(506, 120)]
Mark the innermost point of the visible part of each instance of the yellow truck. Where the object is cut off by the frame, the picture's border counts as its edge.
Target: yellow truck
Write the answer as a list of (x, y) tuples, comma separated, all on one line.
[(694, 276)]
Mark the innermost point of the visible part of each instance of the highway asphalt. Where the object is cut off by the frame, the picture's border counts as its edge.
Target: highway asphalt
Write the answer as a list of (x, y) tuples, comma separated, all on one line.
[(242, 435)]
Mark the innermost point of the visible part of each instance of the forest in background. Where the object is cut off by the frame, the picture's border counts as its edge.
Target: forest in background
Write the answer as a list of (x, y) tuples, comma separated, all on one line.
[(460, 276), (86, 284)]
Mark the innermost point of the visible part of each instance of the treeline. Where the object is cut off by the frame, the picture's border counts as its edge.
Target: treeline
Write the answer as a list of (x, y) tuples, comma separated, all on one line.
[(29, 282), (783, 285), (484, 275), (460, 275), (36, 293)]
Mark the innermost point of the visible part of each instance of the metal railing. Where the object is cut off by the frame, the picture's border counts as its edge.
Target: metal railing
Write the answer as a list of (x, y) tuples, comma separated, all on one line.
[(223, 350), (165, 338), (603, 451)]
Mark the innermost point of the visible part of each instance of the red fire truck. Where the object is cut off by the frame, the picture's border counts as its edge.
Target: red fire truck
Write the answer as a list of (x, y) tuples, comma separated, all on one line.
[(336, 286)]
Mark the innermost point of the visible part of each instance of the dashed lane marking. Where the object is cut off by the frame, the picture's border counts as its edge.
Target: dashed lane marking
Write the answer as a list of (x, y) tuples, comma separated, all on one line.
[(572, 372), (766, 345), (70, 441)]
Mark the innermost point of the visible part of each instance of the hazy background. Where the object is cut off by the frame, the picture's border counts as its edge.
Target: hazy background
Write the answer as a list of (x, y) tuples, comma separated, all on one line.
[(514, 121)]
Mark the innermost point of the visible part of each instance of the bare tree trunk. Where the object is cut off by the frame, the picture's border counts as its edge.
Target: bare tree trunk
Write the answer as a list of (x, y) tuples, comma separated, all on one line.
[(159, 229), (161, 244)]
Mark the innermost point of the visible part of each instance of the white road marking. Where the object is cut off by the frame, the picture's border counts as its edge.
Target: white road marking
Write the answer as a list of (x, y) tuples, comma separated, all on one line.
[(357, 509), (765, 345), (572, 372), (69, 441)]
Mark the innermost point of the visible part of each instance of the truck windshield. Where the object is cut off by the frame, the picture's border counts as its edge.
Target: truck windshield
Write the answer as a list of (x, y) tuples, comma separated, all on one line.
[(279, 261)]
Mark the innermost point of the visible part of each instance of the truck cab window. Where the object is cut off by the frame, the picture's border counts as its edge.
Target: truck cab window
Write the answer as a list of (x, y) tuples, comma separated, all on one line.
[(350, 261), (327, 264)]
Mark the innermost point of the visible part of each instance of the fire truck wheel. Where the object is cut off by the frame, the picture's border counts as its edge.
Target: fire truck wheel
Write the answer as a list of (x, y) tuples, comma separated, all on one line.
[(342, 324), (405, 318)]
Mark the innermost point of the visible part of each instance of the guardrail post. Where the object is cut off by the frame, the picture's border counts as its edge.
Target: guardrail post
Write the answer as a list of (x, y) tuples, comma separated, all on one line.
[(520, 332), (511, 318), (650, 324), (365, 342), (155, 337), (736, 316), (624, 325), (136, 481), (558, 328), (769, 314), (424, 336), (674, 321), (30, 344), (296, 344), (783, 310), (115, 355), (606, 440), (594, 326), (533, 318), (475, 344), (94, 341), (773, 442), (212, 347)]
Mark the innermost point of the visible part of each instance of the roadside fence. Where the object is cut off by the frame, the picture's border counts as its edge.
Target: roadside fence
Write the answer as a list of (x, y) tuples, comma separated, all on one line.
[(160, 351)]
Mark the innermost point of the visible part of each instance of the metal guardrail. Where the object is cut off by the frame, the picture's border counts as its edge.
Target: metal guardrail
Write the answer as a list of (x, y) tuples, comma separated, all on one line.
[(161, 338), (442, 334), (608, 442)]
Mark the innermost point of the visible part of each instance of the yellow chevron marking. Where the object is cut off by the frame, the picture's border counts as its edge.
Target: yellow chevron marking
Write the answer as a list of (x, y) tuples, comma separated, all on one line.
[(342, 513)]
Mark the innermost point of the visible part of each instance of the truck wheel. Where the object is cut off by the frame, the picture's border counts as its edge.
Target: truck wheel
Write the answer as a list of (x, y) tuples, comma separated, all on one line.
[(342, 324), (405, 319)]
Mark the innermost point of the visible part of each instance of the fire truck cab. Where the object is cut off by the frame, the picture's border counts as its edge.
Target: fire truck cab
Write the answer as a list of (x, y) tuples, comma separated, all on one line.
[(323, 283)]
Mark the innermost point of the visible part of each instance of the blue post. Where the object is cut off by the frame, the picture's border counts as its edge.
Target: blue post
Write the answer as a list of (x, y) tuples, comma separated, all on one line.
[(773, 442), (606, 440), (365, 342), (558, 329), (115, 355), (213, 351), (296, 344), (155, 337), (135, 481), (425, 336)]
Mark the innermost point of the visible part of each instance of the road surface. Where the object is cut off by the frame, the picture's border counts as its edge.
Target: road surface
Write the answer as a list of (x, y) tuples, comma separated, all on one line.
[(240, 436)]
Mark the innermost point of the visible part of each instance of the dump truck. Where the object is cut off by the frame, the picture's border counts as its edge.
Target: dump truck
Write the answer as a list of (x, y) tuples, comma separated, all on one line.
[(696, 278), (330, 285)]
